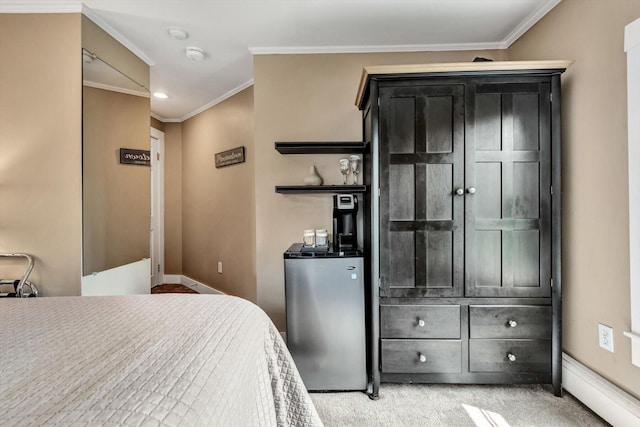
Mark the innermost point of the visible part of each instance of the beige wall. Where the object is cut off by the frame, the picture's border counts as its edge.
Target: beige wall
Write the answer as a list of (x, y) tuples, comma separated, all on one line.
[(40, 159), (116, 197), (173, 198), (218, 204), (307, 98), (595, 189), (155, 123)]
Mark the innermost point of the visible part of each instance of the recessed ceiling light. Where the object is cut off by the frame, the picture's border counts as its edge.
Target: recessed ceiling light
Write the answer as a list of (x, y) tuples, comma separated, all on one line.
[(178, 33), (160, 95), (195, 53)]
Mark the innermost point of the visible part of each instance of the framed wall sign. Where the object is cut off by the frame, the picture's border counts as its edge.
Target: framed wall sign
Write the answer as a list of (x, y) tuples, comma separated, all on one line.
[(129, 156), (230, 157)]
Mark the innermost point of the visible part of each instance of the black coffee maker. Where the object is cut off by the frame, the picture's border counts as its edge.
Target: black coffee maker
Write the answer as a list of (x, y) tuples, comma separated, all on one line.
[(345, 213)]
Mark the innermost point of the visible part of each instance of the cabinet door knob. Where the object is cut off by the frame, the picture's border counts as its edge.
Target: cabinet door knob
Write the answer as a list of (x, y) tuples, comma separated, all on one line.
[(512, 323), (420, 322), (459, 191), (511, 357), (471, 190), (423, 358)]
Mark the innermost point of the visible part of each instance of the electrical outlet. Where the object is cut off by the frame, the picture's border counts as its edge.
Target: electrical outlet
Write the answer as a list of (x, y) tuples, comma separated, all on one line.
[(220, 267), (605, 337)]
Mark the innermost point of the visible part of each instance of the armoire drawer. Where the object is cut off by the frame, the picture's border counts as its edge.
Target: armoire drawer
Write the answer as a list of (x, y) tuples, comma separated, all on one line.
[(420, 321), (421, 356), (513, 356), (509, 321)]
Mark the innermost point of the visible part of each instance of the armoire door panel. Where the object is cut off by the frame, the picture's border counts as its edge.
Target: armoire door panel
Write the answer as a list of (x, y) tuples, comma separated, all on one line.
[(418, 179), (488, 119), (525, 121), (438, 197), (439, 259), (526, 191), (524, 253), (401, 270), (439, 122), (402, 186), (488, 186), (401, 125), (488, 258), (507, 218)]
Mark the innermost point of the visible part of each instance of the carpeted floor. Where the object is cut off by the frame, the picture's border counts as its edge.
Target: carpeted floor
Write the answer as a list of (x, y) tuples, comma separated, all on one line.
[(454, 405)]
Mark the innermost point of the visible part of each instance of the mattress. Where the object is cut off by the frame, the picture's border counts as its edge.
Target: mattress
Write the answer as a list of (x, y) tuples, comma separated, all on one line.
[(146, 360)]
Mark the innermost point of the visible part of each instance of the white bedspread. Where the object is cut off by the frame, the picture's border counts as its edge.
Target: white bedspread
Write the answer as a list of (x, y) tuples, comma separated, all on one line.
[(149, 360)]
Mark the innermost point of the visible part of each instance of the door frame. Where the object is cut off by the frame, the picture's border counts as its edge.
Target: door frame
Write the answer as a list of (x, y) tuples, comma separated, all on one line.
[(156, 232)]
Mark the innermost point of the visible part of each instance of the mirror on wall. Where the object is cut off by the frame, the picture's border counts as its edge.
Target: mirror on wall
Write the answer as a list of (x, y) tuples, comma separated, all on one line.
[(115, 196)]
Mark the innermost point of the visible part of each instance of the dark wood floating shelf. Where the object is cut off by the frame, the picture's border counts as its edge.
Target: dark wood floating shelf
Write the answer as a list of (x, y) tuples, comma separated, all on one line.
[(307, 189), (330, 147)]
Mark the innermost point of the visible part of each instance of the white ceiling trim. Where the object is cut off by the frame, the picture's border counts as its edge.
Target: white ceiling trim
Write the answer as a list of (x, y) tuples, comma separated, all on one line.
[(301, 50), (216, 101), (158, 117), (38, 7), (529, 22), (116, 35)]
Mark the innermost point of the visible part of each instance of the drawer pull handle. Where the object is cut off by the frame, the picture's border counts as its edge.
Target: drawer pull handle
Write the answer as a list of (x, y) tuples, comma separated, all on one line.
[(422, 358), (511, 357), (421, 322), (512, 323)]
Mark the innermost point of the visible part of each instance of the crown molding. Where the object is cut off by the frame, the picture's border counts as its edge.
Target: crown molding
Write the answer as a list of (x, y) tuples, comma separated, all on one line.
[(528, 22), (158, 117), (40, 7), (116, 35), (311, 50), (218, 100)]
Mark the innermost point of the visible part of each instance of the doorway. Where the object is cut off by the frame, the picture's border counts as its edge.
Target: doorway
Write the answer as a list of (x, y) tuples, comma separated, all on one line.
[(157, 207)]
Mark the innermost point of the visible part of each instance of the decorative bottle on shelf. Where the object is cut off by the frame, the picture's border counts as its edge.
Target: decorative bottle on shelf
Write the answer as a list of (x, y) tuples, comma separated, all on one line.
[(313, 178)]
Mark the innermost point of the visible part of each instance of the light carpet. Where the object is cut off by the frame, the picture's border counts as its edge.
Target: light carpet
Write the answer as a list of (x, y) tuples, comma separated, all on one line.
[(454, 405)]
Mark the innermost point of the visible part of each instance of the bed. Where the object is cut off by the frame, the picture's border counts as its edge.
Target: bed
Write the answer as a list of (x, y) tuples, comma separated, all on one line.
[(148, 360)]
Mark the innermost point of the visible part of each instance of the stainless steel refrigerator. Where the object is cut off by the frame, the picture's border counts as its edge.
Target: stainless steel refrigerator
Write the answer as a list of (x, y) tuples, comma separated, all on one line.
[(326, 318)]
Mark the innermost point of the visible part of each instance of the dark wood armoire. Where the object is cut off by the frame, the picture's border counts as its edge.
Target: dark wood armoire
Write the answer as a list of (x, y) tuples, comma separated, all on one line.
[(465, 229)]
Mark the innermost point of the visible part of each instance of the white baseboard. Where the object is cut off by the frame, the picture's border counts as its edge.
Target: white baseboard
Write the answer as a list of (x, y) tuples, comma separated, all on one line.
[(199, 287), (610, 402)]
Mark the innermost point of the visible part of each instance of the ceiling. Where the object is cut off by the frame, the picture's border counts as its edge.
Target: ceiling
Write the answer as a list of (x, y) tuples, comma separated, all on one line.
[(231, 31)]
